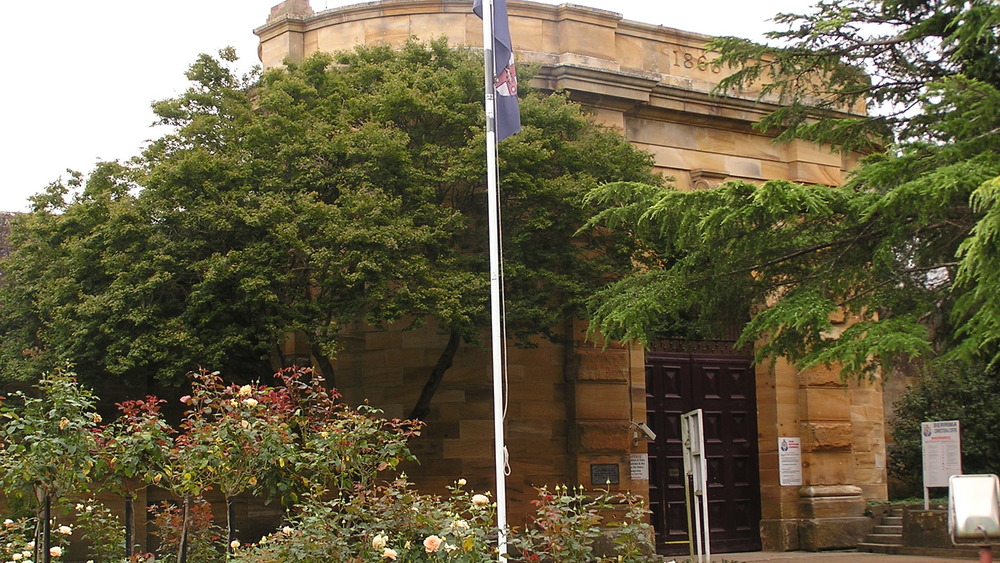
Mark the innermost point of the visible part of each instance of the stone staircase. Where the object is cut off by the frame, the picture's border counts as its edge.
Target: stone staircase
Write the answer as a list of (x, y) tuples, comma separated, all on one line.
[(887, 536), (932, 541)]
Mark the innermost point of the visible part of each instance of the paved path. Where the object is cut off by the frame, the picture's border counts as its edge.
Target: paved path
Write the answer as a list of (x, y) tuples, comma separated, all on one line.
[(829, 557)]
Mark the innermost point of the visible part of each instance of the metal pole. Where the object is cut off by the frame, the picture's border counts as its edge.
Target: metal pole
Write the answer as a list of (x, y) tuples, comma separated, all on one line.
[(688, 506), (493, 197)]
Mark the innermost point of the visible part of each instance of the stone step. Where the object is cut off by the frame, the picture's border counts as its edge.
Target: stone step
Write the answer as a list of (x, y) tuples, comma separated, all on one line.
[(880, 547), (893, 520), (884, 539), (887, 529)]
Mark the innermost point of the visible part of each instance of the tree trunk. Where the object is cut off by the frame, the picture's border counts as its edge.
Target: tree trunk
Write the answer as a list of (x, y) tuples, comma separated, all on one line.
[(182, 549), (129, 524), (230, 521), (445, 360), (46, 557), (325, 365)]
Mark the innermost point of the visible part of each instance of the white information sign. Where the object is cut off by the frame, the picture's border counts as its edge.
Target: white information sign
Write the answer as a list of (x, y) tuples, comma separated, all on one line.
[(639, 467), (942, 451), (790, 461)]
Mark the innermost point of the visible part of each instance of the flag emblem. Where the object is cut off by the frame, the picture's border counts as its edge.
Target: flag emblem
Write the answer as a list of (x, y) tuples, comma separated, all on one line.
[(506, 80), (508, 115)]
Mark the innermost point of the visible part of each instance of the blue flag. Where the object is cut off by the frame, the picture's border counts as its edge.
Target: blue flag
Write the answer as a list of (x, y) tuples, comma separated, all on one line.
[(508, 115)]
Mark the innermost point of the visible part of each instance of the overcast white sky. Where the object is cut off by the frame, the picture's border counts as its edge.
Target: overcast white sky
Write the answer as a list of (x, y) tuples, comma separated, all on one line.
[(81, 74)]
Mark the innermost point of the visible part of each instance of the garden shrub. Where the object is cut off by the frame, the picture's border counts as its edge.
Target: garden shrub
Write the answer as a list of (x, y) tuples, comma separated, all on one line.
[(204, 538), (333, 466), (963, 393)]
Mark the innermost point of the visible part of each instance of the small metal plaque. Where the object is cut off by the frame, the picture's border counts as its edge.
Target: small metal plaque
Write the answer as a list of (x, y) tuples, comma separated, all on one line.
[(604, 474)]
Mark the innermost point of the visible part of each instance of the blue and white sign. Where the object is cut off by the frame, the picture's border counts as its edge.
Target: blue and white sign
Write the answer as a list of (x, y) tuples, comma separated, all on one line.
[(941, 443)]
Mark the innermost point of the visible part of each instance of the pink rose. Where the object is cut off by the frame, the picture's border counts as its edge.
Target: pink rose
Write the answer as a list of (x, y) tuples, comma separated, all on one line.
[(432, 543)]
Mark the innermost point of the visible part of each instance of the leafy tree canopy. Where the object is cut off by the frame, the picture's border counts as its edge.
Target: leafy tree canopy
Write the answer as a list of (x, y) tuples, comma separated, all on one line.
[(344, 188), (907, 249)]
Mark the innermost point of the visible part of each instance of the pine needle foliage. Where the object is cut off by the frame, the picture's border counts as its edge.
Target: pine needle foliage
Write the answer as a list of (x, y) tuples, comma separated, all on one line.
[(906, 251)]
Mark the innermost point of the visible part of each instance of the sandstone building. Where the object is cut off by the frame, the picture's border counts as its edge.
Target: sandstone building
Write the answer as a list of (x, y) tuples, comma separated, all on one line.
[(573, 409)]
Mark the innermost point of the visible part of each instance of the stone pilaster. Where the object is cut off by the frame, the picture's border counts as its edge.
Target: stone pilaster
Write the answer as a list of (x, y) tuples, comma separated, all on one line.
[(841, 428), (606, 391)]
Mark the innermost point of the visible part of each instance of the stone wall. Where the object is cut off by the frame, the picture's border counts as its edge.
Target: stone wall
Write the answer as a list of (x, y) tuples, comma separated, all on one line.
[(568, 407)]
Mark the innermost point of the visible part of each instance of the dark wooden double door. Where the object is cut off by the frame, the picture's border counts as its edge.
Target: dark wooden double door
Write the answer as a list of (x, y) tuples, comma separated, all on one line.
[(723, 387)]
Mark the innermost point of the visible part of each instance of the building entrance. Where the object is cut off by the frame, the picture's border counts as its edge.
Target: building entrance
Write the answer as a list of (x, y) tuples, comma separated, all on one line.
[(723, 387)]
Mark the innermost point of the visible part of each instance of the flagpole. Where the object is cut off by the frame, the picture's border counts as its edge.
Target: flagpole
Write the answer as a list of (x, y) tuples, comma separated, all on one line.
[(493, 201)]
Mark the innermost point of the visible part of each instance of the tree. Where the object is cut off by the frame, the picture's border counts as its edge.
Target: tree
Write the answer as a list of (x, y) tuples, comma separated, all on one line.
[(906, 249), (47, 449), (130, 450), (341, 189)]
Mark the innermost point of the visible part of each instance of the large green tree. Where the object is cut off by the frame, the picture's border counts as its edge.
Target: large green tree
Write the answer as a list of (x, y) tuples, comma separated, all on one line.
[(907, 249), (341, 189)]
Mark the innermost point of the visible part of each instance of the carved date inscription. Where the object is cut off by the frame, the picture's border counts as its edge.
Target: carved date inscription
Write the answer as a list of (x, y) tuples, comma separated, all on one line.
[(692, 60)]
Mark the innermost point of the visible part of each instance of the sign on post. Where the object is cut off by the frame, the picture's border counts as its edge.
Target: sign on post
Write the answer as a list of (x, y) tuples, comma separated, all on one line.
[(941, 445)]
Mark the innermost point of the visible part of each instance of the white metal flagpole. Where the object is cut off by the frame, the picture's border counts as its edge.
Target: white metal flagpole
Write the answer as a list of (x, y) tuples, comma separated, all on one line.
[(493, 198)]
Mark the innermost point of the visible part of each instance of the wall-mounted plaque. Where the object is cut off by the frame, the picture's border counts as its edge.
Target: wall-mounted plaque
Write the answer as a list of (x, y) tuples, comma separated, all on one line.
[(604, 474)]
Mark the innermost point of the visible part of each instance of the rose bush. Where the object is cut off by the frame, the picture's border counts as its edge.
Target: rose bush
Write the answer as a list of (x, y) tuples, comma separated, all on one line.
[(332, 465)]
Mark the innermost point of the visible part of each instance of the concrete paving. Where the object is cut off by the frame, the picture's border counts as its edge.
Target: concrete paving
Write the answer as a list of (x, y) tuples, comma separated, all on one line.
[(826, 557)]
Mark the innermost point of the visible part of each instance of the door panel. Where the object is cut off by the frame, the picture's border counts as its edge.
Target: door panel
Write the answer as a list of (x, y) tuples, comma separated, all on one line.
[(723, 387)]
